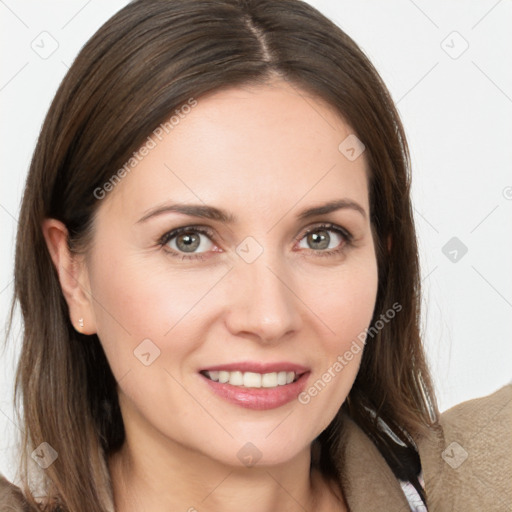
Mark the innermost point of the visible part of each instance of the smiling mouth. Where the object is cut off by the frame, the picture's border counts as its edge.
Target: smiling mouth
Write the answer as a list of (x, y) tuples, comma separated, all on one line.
[(252, 379)]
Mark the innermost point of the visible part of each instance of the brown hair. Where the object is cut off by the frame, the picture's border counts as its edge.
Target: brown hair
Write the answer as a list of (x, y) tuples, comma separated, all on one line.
[(146, 61)]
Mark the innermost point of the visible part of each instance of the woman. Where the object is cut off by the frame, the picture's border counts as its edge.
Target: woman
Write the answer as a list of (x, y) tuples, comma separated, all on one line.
[(218, 273)]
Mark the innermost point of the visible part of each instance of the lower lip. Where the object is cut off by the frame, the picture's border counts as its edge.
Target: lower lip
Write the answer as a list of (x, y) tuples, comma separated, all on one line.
[(259, 399)]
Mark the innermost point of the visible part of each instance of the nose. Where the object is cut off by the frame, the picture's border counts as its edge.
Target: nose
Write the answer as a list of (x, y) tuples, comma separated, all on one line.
[(261, 302)]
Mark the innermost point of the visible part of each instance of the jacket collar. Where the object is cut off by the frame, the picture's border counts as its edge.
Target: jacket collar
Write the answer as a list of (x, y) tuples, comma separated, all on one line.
[(366, 479)]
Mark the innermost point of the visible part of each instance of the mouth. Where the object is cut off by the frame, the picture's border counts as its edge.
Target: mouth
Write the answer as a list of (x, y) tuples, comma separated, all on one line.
[(255, 385), (252, 379)]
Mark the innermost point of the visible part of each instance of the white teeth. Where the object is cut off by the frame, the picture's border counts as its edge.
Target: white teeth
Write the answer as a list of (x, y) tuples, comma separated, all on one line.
[(236, 378), (269, 380), (251, 379)]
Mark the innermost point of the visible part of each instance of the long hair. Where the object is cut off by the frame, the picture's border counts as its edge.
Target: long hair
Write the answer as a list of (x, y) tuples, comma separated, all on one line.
[(141, 65)]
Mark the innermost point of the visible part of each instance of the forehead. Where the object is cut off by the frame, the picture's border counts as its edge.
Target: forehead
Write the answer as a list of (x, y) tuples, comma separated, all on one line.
[(271, 145)]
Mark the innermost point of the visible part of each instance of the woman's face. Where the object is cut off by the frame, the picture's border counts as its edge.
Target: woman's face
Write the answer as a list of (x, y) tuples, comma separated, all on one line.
[(257, 281)]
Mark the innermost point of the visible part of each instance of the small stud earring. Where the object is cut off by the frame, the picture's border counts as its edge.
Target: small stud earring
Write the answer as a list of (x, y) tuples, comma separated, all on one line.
[(81, 323)]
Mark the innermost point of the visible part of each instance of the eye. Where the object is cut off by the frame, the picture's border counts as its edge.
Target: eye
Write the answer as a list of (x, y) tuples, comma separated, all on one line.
[(188, 241), (328, 239)]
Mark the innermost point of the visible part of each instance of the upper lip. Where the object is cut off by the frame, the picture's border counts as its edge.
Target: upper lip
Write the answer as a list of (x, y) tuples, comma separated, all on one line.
[(257, 367)]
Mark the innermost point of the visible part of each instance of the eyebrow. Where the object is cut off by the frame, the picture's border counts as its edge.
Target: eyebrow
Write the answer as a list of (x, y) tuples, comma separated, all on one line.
[(217, 214), (332, 206), (193, 210)]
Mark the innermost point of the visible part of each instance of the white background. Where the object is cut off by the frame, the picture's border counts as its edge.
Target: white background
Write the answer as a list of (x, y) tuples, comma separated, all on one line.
[(457, 112)]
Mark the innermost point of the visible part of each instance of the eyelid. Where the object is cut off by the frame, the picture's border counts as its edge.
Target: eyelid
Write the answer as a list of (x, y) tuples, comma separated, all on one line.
[(327, 226), (173, 233)]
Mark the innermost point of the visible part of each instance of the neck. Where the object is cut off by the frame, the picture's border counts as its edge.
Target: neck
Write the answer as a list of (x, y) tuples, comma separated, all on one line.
[(159, 480)]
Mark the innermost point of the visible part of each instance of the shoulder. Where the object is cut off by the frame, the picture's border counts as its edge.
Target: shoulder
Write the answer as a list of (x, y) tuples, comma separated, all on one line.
[(11, 497), (467, 462)]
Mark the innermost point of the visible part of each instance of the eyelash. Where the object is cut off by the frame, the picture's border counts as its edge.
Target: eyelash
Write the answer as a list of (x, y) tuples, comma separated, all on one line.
[(167, 237), (343, 233)]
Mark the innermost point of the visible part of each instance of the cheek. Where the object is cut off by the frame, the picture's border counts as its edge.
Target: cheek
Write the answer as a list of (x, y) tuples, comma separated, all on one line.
[(134, 300), (345, 305), (344, 299)]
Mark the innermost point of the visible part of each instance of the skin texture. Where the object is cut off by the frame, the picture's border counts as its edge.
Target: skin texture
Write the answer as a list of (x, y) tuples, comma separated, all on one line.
[(263, 154)]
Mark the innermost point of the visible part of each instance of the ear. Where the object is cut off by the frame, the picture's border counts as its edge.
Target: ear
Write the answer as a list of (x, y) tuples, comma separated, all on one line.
[(73, 276)]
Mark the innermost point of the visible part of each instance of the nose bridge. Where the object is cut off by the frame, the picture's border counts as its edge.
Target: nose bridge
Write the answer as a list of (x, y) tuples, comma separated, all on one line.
[(263, 303)]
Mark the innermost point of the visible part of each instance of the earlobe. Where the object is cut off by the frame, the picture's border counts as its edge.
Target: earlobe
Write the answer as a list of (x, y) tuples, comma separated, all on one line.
[(72, 274)]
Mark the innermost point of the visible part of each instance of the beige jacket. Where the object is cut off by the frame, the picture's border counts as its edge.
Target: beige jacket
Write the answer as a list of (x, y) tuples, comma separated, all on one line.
[(467, 466)]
